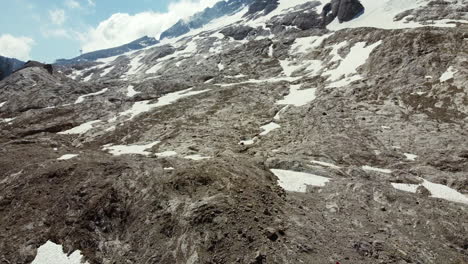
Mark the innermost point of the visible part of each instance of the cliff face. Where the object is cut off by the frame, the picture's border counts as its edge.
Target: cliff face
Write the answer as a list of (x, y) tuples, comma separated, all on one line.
[(269, 138), (8, 66)]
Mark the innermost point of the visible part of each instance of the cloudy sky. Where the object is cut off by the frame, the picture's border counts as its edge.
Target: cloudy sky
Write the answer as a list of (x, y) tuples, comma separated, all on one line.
[(47, 30)]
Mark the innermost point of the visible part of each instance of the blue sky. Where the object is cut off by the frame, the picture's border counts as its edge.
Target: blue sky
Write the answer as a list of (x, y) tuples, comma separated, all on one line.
[(47, 30)]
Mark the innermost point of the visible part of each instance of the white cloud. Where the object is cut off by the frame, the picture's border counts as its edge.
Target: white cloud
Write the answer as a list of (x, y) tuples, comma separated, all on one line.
[(57, 16), (91, 3), (15, 47), (72, 4), (122, 28)]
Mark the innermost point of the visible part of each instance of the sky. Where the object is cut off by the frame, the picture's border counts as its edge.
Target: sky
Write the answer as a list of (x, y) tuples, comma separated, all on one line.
[(47, 30)]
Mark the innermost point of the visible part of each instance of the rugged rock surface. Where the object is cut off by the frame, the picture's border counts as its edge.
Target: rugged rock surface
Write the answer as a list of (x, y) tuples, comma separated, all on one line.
[(344, 10), (174, 145)]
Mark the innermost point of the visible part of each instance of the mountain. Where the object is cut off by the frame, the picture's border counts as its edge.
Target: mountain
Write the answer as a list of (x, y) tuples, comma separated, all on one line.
[(220, 9), (106, 53), (312, 132), (8, 66)]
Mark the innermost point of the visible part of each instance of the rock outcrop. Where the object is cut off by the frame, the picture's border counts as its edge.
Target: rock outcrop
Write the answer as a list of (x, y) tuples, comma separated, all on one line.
[(344, 10)]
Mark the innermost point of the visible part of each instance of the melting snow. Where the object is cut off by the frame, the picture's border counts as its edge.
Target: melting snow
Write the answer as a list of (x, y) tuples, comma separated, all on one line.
[(197, 157), (298, 97), (118, 150), (381, 14), (369, 168), (437, 191), (303, 45), (297, 181), (411, 157), (146, 106), (83, 97), (448, 75), (68, 156), (51, 253), (247, 142), (131, 92), (106, 71), (325, 164), (83, 128), (166, 154), (280, 112), (357, 56), (268, 128)]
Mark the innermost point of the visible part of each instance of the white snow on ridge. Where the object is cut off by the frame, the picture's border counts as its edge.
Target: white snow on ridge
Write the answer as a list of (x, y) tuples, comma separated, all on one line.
[(197, 157), (51, 253), (83, 97), (381, 14), (106, 71), (268, 128), (369, 168), (3, 103), (146, 106), (448, 75), (325, 164), (131, 92), (294, 181), (118, 150), (68, 156), (298, 97), (81, 129), (437, 191), (166, 154)]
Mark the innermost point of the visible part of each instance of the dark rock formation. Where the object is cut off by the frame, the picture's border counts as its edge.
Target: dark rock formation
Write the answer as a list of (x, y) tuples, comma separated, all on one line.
[(262, 5), (29, 64), (237, 32), (345, 10), (8, 66)]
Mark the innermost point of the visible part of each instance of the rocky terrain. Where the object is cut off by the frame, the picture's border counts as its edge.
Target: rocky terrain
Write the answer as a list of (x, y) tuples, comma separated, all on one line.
[(267, 135)]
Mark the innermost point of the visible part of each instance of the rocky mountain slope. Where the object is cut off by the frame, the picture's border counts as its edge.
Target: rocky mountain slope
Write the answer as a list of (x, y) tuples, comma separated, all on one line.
[(106, 53), (261, 137)]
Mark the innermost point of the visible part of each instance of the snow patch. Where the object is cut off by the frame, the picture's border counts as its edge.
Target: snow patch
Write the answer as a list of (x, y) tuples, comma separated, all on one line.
[(381, 14), (325, 164), (294, 181), (298, 97), (68, 156), (166, 154), (131, 92), (118, 150), (268, 128), (51, 253), (437, 191), (83, 97), (197, 157), (411, 157), (3, 103), (357, 56), (448, 74), (146, 106), (81, 129), (369, 168), (106, 71)]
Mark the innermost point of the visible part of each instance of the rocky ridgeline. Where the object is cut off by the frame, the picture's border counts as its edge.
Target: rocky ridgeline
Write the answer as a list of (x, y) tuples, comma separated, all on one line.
[(260, 137)]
